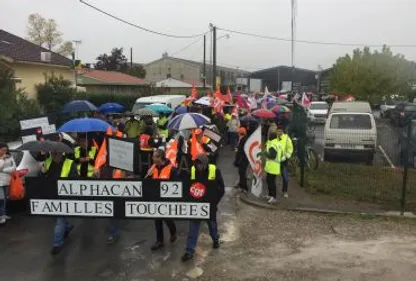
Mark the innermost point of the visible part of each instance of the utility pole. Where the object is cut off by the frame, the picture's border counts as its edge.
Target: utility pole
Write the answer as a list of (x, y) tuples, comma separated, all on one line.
[(214, 58), (293, 33), (131, 57), (204, 70)]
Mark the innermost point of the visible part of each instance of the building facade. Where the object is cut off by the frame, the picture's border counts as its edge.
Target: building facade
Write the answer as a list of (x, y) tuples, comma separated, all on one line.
[(30, 63), (188, 71), (287, 78)]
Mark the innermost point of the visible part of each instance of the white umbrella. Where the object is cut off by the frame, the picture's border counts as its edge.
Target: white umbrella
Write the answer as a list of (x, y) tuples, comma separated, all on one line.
[(188, 121), (204, 101)]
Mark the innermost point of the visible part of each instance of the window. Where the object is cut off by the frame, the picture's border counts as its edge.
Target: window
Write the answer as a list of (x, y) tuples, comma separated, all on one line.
[(318, 106), (168, 75), (182, 77), (351, 121)]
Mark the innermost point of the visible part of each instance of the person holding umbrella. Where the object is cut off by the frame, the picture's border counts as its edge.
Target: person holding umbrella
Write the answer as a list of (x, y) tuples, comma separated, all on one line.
[(58, 166), (84, 156)]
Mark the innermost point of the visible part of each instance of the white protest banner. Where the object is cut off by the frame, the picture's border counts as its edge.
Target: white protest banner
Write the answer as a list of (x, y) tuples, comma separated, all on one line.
[(34, 123), (252, 149), (29, 138), (121, 154), (48, 129)]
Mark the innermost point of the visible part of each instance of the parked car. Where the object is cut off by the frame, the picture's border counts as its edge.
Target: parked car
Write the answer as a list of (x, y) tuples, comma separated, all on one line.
[(403, 112), (350, 134), (318, 111), (403, 142), (386, 107), (353, 106)]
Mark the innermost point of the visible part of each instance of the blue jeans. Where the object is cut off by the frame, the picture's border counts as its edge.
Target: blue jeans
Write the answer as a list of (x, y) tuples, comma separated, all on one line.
[(233, 139), (285, 176), (114, 228), (194, 233), (3, 200), (62, 226)]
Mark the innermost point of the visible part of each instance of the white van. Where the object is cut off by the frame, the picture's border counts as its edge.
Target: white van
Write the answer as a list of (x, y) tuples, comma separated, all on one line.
[(354, 106), (170, 100), (350, 134)]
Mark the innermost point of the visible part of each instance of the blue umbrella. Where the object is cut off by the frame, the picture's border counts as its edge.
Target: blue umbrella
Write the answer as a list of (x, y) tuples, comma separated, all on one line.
[(188, 121), (78, 106), (181, 109), (85, 125), (111, 107), (160, 108)]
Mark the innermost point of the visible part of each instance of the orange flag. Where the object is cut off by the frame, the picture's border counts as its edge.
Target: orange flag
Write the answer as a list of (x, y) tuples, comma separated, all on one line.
[(194, 92), (101, 158), (194, 149)]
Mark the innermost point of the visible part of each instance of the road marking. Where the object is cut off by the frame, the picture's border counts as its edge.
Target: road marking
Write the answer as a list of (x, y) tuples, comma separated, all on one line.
[(387, 157)]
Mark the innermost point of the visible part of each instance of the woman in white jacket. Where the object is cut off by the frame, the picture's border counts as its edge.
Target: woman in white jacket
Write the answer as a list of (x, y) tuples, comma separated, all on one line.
[(7, 166)]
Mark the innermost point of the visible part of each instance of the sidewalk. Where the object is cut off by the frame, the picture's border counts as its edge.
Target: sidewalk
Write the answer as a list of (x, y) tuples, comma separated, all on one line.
[(301, 200)]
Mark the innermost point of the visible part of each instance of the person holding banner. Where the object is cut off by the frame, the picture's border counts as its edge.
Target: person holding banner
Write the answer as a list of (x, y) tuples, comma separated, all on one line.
[(58, 166), (114, 227), (273, 156), (162, 168), (203, 171), (84, 157)]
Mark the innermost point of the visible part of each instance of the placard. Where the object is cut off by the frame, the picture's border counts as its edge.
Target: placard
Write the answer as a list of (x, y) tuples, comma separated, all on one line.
[(121, 153), (212, 135), (121, 198), (34, 123)]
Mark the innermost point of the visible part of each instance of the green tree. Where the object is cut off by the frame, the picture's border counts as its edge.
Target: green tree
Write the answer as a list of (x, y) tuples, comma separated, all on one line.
[(137, 71), (54, 93), (372, 75), (116, 61), (44, 32), (14, 106)]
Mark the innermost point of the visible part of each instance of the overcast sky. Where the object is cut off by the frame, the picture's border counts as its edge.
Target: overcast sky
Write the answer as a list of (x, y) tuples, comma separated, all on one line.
[(350, 21)]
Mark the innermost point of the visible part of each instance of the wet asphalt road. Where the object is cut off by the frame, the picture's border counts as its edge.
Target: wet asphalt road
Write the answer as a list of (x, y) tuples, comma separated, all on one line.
[(25, 243), (387, 138)]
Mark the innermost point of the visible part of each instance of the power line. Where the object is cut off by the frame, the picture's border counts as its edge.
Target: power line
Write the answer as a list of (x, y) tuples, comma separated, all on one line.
[(138, 26), (314, 42), (187, 46)]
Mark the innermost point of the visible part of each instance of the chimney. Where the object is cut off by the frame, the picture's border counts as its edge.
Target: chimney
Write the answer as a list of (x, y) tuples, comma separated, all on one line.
[(45, 56)]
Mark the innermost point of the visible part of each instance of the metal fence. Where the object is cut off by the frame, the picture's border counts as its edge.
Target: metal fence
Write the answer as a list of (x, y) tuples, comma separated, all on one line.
[(354, 167)]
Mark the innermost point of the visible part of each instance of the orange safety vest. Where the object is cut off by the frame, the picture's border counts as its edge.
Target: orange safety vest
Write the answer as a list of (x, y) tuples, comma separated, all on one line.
[(119, 134), (144, 142), (117, 174), (205, 139), (163, 174), (171, 152)]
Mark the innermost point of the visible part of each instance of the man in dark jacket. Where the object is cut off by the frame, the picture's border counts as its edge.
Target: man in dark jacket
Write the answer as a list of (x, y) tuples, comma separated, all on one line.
[(58, 166), (205, 172), (241, 160)]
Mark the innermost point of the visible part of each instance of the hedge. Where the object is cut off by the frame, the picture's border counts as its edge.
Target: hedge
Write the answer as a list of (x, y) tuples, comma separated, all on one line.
[(376, 184)]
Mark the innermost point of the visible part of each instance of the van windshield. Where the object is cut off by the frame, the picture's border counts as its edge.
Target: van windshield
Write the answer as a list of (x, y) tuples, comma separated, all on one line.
[(351, 121), (318, 106), (141, 105)]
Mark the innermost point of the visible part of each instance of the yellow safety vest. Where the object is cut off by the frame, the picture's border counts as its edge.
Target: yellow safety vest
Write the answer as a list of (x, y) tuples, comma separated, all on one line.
[(160, 124), (91, 154), (287, 147), (273, 165), (211, 172), (66, 167)]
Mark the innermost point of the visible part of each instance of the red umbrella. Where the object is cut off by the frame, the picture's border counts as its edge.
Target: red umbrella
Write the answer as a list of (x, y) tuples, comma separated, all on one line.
[(263, 113)]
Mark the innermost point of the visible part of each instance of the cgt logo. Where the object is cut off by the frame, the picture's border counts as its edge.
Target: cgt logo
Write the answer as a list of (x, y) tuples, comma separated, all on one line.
[(197, 190)]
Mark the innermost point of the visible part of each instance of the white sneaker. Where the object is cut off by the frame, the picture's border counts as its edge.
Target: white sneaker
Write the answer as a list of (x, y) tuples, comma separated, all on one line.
[(272, 200), (7, 217), (2, 220), (285, 195)]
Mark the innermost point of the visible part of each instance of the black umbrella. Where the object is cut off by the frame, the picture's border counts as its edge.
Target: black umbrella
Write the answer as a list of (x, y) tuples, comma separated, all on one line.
[(78, 106), (46, 146), (249, 119)]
